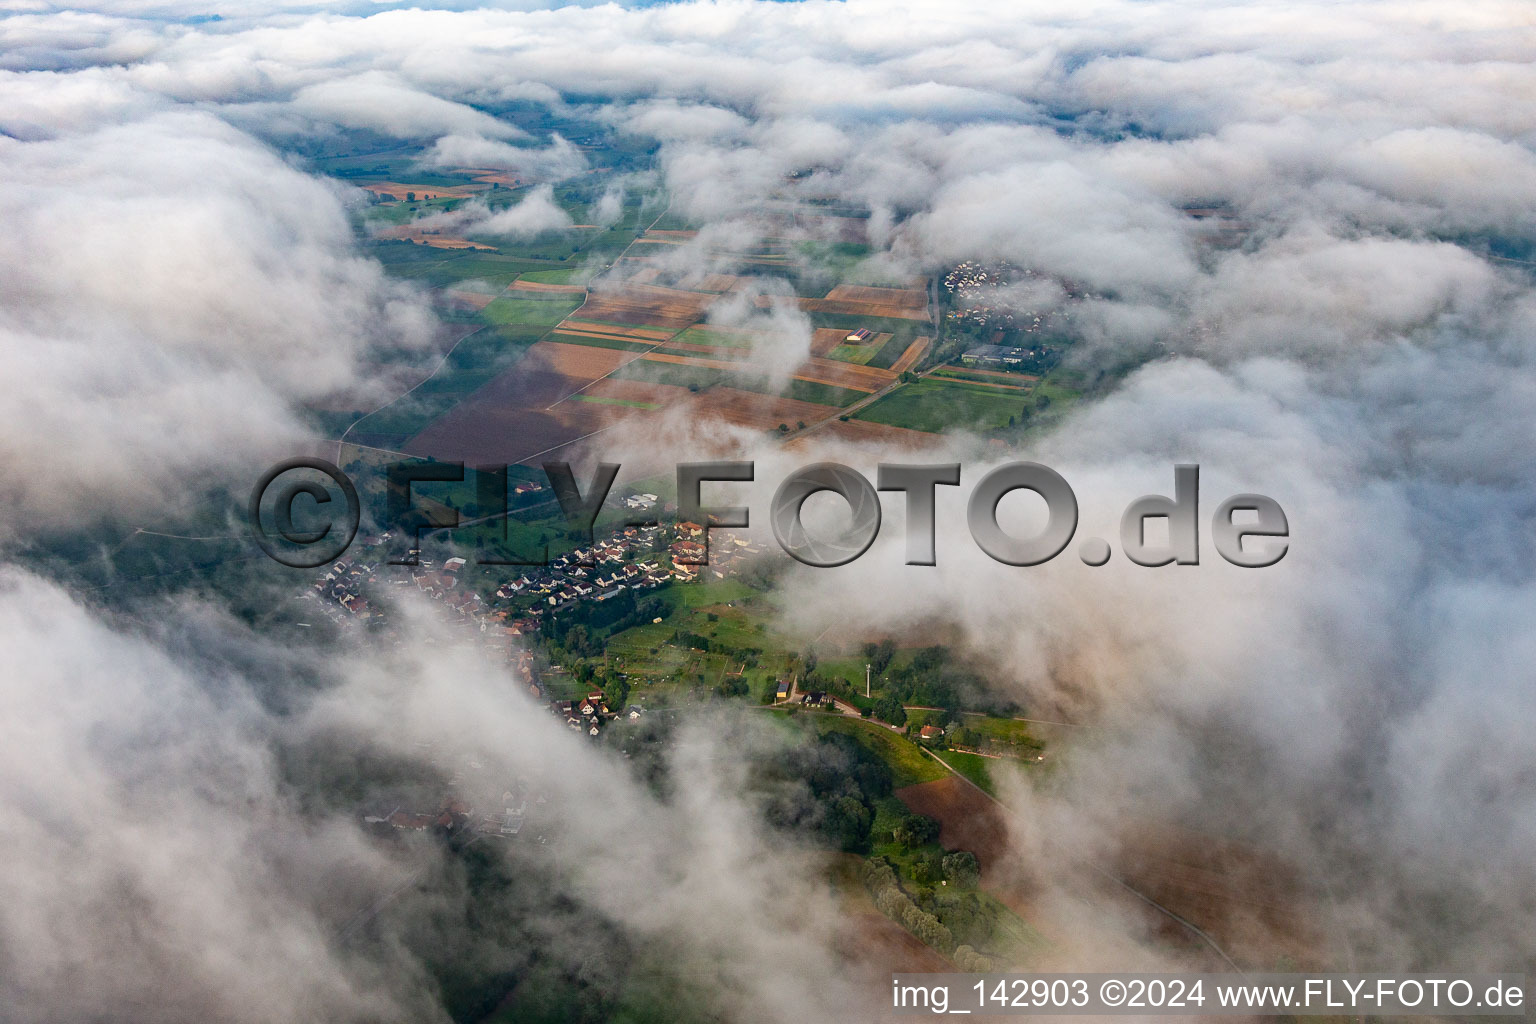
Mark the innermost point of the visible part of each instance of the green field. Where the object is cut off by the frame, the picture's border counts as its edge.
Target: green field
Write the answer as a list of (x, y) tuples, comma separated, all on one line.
[(957, 373), (676, 374), (664, 671), (972, 766), (562, 276), (937, 405), (856, 354), (448, 268), (719, 337), (908, 764), (600, 400), (545, 312), (621, 344), (821, 394)]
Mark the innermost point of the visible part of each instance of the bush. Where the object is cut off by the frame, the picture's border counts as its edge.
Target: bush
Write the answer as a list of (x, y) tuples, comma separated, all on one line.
[(961, 868), (970, 961), (916, 830)]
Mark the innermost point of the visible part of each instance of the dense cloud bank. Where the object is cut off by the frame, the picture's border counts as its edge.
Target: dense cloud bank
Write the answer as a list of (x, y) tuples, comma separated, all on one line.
[(175, 289)]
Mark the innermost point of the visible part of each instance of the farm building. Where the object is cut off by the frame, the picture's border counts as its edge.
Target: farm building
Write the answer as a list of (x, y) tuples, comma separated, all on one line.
[(859, 336), (995, 355)]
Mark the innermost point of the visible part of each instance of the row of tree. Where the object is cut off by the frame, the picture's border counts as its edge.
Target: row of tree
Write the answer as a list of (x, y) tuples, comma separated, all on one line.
[(892, 900)]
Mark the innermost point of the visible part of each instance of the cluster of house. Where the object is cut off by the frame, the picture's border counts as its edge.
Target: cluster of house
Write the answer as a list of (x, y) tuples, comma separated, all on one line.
[(503, 819), (975, 284), (591, 713), (341, 587), (627, 559), (786, 691), (453, 814)]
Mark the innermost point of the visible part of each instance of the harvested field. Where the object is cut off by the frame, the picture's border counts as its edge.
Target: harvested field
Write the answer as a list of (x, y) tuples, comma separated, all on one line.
[(825, 339), (872, 309), (1252, 901), (520, 414), (719, 337), (647, 305), (844, 375), (535, 286), (622, 390), (901, 298), (865, 432), (651, 334), (968, 818), (815, 376), (491, 177), (579, 360), (912, 356), (468, 300), (844, 229), (713, 351), (712, 364), (646, 275), (680, 236), (432, 238), (715, 283), (396, 190), (875, 946), (758, 412)]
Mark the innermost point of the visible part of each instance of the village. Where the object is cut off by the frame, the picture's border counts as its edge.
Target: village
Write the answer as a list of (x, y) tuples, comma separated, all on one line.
[(498, 616)]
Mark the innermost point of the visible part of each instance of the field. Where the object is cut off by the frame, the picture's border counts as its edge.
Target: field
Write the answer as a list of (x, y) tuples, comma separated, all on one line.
[(909, 765), (1254, 902), (975, 374), (858, 431), (620, 336), (447, 268), (760, 412), (715, 337), (525, 284), (646, 305), (475, 360), (973, 766), (968, 818), (912, 356), (519, 415), (937, 405), (844, 375), (433, 239), (542, 312), (555, 278), (663, 671), (422, 191), (859, 352)]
